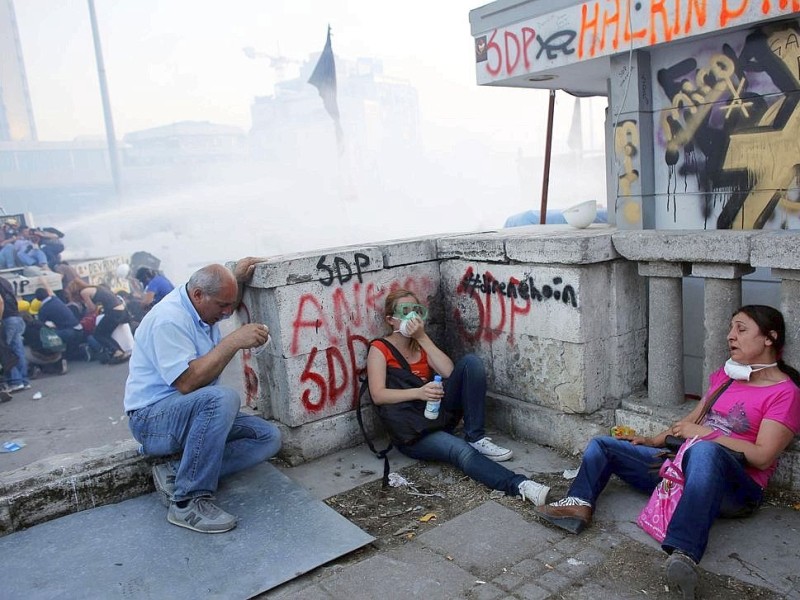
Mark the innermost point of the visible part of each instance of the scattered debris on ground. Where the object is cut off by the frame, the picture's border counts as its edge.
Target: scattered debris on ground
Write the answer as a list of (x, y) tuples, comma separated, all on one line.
[(434, 494)]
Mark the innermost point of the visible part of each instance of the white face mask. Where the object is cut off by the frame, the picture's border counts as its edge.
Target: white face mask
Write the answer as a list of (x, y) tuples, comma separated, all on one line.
[(405, 322), (741, 372)]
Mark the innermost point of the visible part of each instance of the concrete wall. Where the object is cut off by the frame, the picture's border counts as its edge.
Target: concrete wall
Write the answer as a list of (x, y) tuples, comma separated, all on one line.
[(549, 310)]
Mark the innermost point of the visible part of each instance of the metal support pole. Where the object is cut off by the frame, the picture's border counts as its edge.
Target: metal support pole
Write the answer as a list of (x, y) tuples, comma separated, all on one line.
[(109, 121), (547, 151)]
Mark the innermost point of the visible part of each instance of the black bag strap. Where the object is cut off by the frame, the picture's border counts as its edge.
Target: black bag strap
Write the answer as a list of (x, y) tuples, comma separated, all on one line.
[(397, 355), (711, 400), (365, 388)]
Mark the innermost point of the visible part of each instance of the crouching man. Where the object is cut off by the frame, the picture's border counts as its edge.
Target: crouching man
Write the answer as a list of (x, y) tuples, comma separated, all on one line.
[(176, 405)]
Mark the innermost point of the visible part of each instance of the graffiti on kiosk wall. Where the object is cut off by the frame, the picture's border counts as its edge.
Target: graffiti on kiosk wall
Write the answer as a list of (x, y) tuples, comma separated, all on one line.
[(603, 27), (331, 372), (499, 303), (513, 52), (732, 129), (626, 149)]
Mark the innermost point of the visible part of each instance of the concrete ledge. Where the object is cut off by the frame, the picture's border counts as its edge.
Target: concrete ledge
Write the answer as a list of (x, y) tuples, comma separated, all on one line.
[(69, 483), (485, 246), (776, 249), (546, 426), (717, 246), (561, 244)]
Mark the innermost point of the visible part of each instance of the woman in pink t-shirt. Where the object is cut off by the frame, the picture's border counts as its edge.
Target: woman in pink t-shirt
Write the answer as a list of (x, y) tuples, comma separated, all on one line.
[(752, 408)]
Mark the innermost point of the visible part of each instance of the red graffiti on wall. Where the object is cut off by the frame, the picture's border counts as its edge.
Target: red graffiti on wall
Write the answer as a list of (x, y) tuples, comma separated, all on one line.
[(506, 57), (326, 388), (497, 312), (249, 374), (332, 373)]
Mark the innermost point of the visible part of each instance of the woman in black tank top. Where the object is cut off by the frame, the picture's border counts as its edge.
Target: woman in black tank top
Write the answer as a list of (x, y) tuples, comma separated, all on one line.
[(99, 299)]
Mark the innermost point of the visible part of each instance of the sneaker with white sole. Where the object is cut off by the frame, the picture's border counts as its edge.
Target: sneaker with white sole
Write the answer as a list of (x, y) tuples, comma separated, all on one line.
[(202, 515), (491, 450), (164, 480), (534, 492)]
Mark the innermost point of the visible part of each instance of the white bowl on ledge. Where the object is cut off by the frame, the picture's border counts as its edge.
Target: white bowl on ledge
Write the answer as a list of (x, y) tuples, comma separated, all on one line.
[(581, 215)]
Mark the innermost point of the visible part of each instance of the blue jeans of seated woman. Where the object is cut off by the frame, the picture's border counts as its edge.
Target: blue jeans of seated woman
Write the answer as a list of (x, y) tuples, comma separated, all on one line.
[(215, 439), (465, 395), (716, 485)]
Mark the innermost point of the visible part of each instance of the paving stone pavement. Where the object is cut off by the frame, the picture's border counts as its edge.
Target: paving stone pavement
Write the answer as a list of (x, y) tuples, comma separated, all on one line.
[(493, 552)]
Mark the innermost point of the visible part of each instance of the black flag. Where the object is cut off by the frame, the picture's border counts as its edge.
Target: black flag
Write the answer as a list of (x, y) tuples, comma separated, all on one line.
[(324, 79)]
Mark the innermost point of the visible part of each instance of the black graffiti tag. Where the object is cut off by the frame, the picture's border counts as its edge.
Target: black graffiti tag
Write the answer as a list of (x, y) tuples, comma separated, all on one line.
[(553, 46), (341, 270)]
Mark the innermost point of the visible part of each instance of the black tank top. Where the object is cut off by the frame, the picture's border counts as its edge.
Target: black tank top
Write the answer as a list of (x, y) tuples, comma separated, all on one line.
[(105, 298)]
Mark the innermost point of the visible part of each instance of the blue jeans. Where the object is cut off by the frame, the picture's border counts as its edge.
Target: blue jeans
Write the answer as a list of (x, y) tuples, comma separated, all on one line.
[(465, 395), (72, 339), (14, 328), (215, 439), (33, 257), (8, 258), (716, 485)]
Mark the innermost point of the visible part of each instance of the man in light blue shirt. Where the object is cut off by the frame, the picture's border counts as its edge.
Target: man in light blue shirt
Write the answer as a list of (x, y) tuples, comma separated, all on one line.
[(175, 403)]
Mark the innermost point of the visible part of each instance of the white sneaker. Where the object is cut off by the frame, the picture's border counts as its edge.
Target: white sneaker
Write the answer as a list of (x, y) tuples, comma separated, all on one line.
[(491, 450), (534, 492)]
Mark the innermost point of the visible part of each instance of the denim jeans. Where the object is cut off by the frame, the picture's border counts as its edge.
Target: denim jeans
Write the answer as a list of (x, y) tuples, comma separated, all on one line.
[(14, 328), (72, 339), (465, 395), (716, 485), (33, 257), (215, 439), (8, 258)]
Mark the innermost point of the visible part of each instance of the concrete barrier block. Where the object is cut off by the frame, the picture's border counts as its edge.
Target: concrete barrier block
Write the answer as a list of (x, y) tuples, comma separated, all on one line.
[(558, 375), (776, 249), (485, 300), (325, 436), (336, 265), (627, 298), (408, 252), (670, 245), (486, 247), (312, 368), (556, 245)]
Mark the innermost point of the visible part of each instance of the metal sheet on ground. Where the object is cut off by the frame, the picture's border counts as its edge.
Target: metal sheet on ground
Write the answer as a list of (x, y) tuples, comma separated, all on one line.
[(129, 550)]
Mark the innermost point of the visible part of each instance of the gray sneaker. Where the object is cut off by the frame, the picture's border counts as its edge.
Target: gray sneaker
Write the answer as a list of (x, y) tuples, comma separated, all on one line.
[(164, 480), (201, 515)]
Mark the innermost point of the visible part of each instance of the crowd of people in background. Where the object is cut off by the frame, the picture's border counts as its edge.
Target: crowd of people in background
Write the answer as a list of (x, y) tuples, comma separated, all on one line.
[(81, 321)]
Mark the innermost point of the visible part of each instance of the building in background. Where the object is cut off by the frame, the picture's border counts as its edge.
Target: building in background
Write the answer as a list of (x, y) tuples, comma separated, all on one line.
[(379, 114), (184, 142), (16, 112)]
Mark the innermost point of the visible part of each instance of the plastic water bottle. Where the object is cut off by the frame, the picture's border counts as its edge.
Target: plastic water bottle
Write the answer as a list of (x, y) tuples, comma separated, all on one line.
[(432, 406)]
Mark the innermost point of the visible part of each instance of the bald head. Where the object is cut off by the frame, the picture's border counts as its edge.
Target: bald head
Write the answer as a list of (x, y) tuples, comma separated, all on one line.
[(214, 292), (211, 279)]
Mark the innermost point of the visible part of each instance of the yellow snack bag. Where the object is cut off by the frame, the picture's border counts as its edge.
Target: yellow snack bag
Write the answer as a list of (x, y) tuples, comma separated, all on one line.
[(622, 430)]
